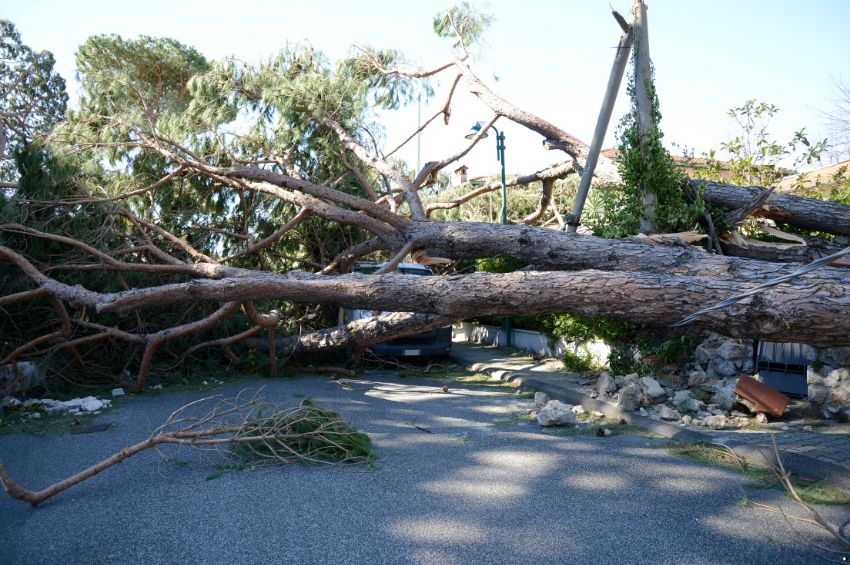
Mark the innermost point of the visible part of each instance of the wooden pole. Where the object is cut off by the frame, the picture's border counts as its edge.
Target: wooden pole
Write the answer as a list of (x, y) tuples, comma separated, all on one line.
[(617, 71), (645, 123)]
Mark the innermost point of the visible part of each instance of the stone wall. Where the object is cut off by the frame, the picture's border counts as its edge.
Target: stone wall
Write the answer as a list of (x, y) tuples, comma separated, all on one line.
[(829, 388), (722, 357), (537, 343)]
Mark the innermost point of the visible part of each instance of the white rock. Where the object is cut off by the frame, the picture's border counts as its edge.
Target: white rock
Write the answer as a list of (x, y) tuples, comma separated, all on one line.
[(90, 404), (818, 394), (597, 414), (813, 377), (157, 387), (578, 409), (725, 369), (540, 399), (696, 378), (808, 428), (723, 400), (117, 392), (629, 397), (682, 396), (761, 418), (732, 350), (833, 378), (35, 415), (717, 422), (643, 412), (622, 381), (686, 420), (556, 413), (652, 389), (668, 413)]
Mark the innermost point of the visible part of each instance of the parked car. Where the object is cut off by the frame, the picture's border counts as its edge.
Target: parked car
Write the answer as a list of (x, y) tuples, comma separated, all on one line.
[(433, 343)]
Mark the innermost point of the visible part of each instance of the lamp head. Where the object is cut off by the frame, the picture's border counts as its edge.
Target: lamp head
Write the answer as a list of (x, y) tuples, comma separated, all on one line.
[(475, 130)]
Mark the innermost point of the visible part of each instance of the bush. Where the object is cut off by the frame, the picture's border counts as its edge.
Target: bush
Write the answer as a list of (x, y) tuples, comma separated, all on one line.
[(578, 362)]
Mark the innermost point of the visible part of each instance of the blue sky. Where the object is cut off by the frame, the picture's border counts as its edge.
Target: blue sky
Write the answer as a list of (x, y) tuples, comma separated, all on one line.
[(550, 57)]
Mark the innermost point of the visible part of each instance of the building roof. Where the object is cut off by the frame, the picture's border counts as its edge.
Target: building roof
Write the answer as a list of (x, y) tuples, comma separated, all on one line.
[(823, 176)]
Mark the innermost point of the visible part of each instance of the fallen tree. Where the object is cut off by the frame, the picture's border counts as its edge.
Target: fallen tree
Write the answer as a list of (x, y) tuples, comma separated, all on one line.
[(220, 236), (797, 211)]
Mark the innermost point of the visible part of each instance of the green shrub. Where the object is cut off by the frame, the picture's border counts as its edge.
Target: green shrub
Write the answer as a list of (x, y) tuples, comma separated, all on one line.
[(578, 362)]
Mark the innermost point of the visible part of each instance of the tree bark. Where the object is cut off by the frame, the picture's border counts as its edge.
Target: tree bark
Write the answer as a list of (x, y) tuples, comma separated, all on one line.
[(816, 316), (797, 211)]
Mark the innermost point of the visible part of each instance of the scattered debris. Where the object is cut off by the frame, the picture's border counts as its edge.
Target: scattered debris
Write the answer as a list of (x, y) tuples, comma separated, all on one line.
[(420, 428), (540, 399), (35, 408), (556, 413), (764, 398), (629, 397)]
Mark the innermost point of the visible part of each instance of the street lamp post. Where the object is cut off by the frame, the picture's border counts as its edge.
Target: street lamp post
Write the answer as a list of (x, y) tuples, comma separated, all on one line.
[(500, 156)]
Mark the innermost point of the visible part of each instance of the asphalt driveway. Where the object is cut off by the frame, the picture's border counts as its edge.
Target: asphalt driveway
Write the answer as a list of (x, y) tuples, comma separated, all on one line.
[(483, 487)]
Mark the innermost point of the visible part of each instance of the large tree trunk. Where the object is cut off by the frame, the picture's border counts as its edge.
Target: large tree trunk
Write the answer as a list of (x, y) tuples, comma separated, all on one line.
[(797, 211), (817, 316), (556, 250)]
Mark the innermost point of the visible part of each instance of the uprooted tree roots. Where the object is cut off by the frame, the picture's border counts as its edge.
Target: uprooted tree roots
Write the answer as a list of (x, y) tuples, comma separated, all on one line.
[(245, 427)]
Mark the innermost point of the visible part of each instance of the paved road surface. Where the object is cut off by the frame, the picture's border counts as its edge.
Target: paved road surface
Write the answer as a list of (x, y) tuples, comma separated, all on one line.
[(482, 488)]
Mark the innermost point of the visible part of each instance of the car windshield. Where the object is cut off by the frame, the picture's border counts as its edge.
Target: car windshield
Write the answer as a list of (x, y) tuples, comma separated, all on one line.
[(369, 269), (409, 271)]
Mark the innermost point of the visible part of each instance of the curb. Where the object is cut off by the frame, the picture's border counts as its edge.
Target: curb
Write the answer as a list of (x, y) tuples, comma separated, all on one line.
[(795, 463)]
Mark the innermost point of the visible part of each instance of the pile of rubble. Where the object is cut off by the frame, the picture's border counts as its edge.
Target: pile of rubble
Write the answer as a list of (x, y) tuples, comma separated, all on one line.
[(705, 394), (829, 389), (36, 408), (699, 401)]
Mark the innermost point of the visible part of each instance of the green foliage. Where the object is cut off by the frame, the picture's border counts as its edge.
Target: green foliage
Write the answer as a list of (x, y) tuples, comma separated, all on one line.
[(645, 166), (573, 327), (622, 360), (522, 201), (578, 361), (463, 23), (32, 95), (676, 350), (389, 90), (755, 159), (307, 433)]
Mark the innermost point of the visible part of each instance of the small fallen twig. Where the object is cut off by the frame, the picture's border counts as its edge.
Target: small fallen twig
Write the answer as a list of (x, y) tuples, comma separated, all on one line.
[(251, 428), (776, 465), (420, 428)]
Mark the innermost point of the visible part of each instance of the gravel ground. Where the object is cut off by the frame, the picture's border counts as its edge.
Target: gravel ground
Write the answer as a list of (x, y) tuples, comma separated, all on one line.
[(483, 487)]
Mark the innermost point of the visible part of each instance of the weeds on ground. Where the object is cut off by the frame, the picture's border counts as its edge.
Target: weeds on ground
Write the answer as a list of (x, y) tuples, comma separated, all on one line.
[(760, 477), (48, 424)]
